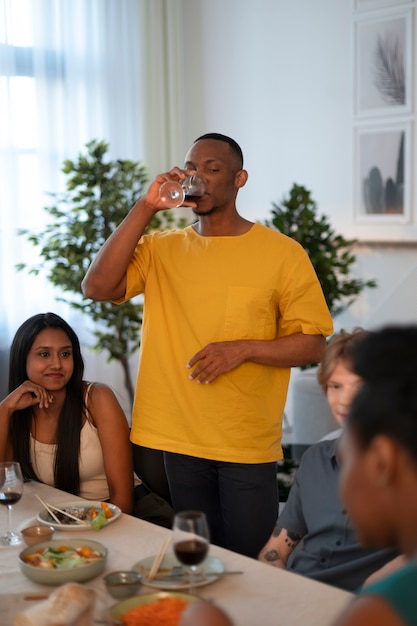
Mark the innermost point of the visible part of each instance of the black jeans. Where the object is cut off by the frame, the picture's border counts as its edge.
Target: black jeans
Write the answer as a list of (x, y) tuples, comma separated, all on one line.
[(149, 466), (239, 499)]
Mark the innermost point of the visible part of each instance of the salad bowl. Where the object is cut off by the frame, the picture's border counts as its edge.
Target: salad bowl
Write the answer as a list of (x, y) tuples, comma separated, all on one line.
[(57, 562)]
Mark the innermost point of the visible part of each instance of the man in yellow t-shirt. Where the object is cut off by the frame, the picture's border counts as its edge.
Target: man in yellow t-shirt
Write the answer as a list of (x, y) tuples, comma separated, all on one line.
[(230, 307)]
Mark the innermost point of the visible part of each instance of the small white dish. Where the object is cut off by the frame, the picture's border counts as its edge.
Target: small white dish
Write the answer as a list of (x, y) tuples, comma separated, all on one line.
[(37, 533)]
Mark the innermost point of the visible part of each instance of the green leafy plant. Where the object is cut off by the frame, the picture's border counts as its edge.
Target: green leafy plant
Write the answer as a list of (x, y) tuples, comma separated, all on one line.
[(331, 254), (100, 193)]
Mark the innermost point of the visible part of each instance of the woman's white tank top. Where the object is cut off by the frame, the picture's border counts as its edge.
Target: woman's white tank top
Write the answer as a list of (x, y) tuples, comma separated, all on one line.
[(93, 481)]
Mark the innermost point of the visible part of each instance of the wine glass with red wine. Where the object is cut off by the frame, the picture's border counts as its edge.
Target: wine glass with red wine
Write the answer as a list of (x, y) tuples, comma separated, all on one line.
[(191, 540), (173, 193), (11, 489)]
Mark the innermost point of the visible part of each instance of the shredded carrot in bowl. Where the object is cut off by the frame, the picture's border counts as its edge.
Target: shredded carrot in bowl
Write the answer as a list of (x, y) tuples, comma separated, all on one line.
[(161, 612)]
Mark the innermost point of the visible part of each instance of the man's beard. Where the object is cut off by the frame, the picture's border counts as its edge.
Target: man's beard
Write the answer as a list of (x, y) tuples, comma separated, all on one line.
[(204, 213)]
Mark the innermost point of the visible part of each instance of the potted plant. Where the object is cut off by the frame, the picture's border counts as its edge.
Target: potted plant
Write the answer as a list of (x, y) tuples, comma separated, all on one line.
[(99, 195), (331, 254), (332, 257)]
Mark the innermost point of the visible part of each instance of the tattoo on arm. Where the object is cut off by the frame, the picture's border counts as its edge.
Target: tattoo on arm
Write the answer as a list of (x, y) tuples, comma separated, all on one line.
[(271, 556), (292, 539), (277, 530), (291, 536)]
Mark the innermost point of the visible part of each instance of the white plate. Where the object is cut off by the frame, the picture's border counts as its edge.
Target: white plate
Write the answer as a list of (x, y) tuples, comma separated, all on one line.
[(209, 571), (45, 517)]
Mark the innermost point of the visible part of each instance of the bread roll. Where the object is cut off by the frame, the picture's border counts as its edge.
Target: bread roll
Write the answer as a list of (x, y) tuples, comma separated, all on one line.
[(69, 605)]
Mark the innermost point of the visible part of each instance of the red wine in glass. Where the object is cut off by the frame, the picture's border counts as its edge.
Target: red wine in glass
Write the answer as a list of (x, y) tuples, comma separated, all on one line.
[(11, 489), (10, 498), (191, 551), (188, 198), (173, 193), (191, 540)]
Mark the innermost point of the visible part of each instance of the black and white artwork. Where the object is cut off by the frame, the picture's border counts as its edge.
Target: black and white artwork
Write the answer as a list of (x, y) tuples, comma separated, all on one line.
[(383, 66), (366, 5), (382, 173)]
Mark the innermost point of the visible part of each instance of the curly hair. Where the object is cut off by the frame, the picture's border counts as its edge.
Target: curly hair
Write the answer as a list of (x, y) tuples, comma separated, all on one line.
[(387, 402)]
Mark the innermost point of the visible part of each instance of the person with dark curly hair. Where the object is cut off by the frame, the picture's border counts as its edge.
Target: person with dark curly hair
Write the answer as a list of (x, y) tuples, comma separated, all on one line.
[(379, 472)]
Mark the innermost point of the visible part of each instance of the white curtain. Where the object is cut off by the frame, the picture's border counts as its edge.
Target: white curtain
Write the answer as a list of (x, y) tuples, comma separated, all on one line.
[(164, 42), (72, 71)]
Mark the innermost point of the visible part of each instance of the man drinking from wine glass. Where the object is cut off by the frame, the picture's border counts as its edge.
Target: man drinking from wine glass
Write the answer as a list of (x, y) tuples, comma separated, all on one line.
[(230, 307)]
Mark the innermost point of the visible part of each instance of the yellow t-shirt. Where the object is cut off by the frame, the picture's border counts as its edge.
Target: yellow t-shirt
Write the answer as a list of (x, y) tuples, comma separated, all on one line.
[(197, 290)]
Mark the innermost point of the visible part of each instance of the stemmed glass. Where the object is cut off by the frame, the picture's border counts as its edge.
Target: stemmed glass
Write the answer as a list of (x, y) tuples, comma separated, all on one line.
[(173, 193), (191, 540), (11, 489)]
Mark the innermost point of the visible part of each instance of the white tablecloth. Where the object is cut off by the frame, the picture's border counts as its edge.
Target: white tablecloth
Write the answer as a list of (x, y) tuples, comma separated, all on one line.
[(263, 595)]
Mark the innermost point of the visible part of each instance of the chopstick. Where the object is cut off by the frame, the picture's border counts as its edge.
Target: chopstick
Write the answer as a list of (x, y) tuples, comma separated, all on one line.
[(49, 508), (51, 513), (158, 559), (77, 519)]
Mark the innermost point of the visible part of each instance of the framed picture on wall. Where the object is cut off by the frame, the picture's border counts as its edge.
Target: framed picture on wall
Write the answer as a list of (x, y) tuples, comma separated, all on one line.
[(366, 5), (383, 64), (382, 173)]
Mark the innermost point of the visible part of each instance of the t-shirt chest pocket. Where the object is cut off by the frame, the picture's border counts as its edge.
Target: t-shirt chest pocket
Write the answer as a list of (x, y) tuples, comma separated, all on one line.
[(250, 314)]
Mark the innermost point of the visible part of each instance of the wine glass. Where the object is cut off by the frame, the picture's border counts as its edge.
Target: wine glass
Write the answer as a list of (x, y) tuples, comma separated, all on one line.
[(191, 540), (173, 193), (11, 489)]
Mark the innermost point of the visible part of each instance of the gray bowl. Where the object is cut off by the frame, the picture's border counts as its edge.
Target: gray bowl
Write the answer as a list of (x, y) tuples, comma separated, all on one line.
[(122, 584), (53, 576)]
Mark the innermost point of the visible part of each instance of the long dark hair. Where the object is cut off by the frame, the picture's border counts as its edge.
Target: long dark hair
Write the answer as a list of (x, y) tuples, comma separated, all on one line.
[(387, 402), (66, 465)]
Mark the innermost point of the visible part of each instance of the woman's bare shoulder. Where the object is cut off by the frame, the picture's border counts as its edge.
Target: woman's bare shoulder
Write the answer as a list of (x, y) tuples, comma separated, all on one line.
[(102, 403), (98, 391)]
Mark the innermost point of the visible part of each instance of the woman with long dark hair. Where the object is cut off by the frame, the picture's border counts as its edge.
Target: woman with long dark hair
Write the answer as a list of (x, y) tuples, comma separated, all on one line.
[(64, 431)]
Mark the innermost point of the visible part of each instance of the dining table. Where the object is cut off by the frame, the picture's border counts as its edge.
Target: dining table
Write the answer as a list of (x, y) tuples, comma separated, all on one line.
[(262, 594)]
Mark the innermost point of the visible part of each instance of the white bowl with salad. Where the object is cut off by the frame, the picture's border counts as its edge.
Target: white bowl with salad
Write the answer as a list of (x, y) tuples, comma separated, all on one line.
[(61, 561)]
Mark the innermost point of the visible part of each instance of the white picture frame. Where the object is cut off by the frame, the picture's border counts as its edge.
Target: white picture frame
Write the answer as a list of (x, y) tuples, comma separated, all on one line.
[(383, 64), (368, 5), (383, 174)]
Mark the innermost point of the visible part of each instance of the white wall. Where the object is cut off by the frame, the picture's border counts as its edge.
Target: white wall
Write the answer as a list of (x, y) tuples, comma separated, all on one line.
[(278, 77)]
